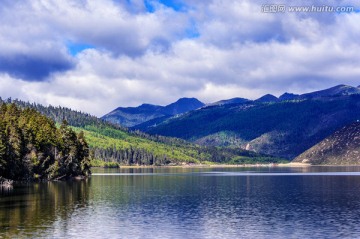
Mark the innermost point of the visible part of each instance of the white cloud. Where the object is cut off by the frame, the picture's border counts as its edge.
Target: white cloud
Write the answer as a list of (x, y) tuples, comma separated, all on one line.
[(147, 57), (110, 26)]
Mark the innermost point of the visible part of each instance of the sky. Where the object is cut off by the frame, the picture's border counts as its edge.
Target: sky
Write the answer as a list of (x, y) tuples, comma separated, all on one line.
[(95, 56)]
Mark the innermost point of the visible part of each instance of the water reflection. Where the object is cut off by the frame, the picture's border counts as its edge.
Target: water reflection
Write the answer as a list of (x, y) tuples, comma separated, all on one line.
[(33, 209), (183, 203), (6, 189)]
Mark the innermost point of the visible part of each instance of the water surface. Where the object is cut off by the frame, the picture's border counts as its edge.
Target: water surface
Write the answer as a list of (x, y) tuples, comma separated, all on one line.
[(314, 202)]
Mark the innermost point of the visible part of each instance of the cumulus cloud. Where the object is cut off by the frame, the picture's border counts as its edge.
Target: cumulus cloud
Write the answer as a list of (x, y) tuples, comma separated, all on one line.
[(34, 67), (29, 50), (34, 34), (155, 51), (110, 26)]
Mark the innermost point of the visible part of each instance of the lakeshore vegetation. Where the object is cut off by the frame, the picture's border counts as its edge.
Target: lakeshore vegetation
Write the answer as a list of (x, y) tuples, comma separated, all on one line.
[(38, 143), (32, 147)]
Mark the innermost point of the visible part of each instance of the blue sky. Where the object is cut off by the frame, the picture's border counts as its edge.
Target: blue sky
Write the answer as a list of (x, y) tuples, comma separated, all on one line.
[(76, 48), (94, 56), (173, 4)]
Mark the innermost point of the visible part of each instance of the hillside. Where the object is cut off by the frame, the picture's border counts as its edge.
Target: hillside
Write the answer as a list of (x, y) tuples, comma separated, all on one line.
[(339, 90), (236, 100), (111, 143), (132, 116), (284, 128), (340, 148)]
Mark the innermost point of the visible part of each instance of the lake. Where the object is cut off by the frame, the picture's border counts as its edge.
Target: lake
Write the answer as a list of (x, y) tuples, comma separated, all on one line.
[(313, 202)]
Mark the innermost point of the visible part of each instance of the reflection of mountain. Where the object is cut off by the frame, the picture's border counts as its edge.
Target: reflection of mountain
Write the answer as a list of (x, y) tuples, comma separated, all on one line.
[(173, 202), (340, 148)]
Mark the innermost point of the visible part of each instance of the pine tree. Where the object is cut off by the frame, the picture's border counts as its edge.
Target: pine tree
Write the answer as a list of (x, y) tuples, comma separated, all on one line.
[(83, 154), (3, 161), (32, 147)]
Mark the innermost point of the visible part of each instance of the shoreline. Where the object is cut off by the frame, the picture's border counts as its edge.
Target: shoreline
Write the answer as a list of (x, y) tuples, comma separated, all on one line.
[(279, 165), (217, 165)]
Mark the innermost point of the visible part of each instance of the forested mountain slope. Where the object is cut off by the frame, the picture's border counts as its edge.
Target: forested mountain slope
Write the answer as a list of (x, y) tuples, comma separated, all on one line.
[(284, 128), (112, 143)]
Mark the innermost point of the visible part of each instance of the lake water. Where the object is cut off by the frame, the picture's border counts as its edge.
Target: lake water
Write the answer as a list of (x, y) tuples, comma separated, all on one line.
[(315, 202)]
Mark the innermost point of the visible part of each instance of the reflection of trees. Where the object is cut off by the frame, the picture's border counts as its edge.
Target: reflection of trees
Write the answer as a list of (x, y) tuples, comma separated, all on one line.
[(31, 209), (202, 204), (6, 189), (239, 204)]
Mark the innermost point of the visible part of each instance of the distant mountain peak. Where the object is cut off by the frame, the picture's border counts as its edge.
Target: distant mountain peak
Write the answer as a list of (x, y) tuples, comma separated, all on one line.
[(267, 98), (339, 86), (288, 96), (333, 91), (183, 105), (145, 105), (236, 100), (187, 99), (132, 116)]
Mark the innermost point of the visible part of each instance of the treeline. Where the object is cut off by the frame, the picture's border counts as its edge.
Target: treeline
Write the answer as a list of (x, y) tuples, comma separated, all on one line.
[(130, 156), (134, 147), (81, 119), (140, 156), (58, 113), (31, 146)]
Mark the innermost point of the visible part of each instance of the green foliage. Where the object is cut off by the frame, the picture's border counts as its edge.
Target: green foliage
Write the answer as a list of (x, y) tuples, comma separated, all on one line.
[(295, 125), (58, 114), (31, 146), (101, 163), (261, 160), (112, 144), (126, 149)]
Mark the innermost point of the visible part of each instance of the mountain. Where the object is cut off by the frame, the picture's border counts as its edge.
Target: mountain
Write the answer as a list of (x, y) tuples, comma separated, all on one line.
[(111, 145), (267, 98), (132, 116), (288, 96), (340, 148), (147, 116), (237, 100), (150, 123), (283, 128), (181, 106), (339, 90)]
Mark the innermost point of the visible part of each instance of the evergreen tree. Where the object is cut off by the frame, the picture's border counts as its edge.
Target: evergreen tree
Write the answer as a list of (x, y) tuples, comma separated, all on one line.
[(3, 162), (83, 153), (32, 147)]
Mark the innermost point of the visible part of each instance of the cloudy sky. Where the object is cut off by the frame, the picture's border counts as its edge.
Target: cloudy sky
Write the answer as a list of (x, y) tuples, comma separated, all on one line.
[(94, 56)]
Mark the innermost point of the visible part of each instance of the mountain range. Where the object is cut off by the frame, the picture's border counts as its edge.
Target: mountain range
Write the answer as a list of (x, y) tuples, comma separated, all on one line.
[(282, 126), (113, 145), (132, 116), (237, 130)]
